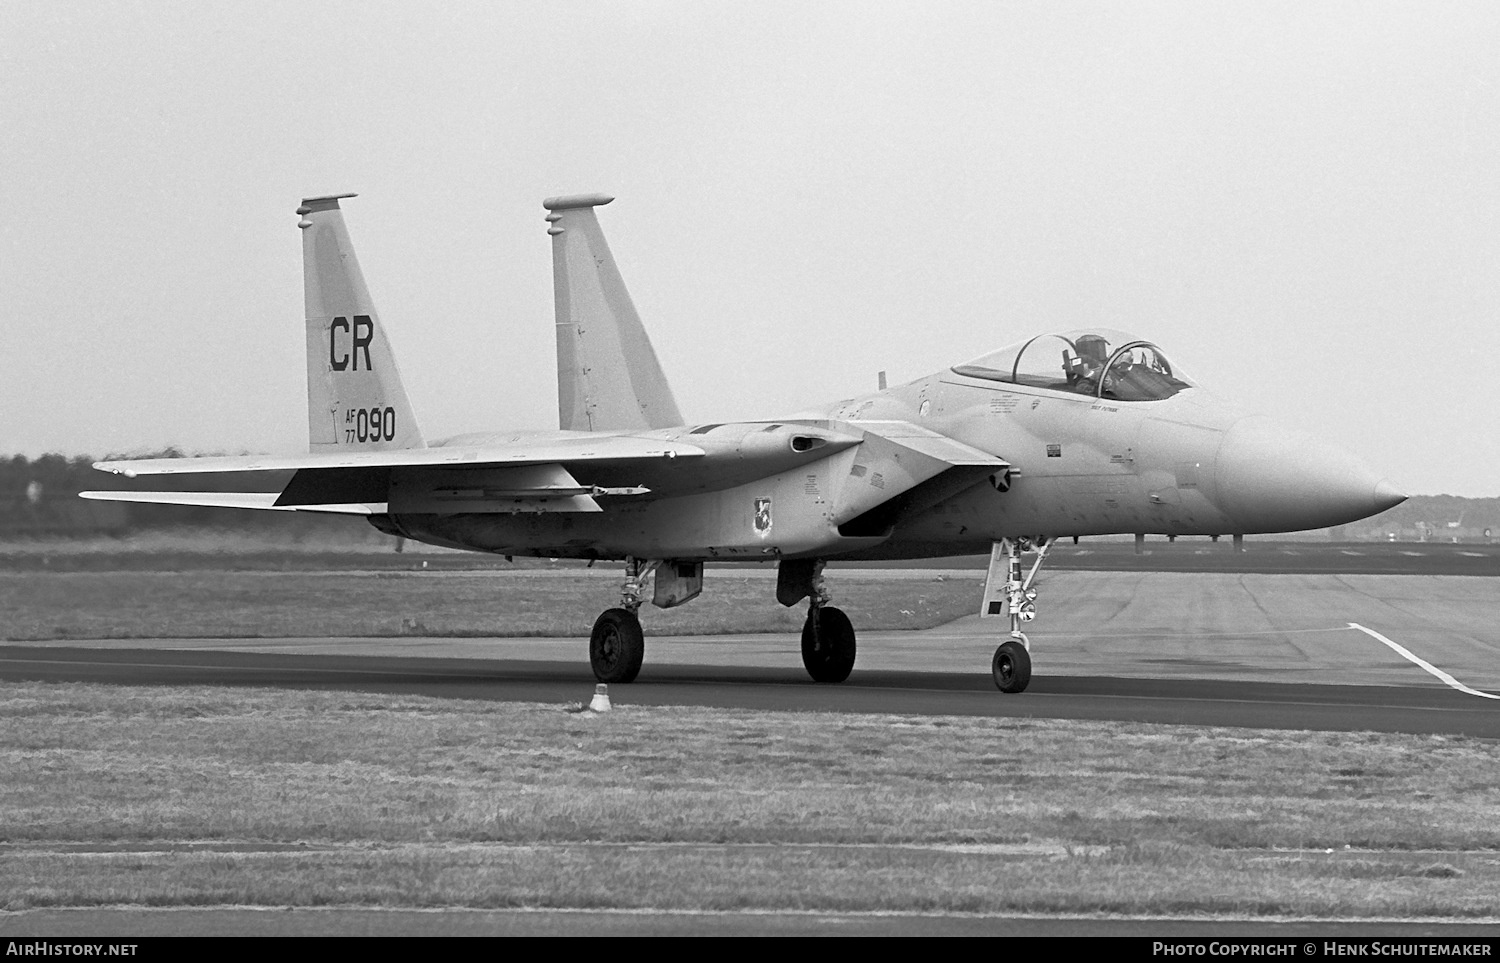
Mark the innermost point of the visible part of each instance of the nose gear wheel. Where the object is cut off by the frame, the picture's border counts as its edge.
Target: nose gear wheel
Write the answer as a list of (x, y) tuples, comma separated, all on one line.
[(1011, 666)]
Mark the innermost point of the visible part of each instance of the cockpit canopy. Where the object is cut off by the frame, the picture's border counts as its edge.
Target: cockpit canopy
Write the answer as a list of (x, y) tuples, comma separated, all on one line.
[(1099, 362)]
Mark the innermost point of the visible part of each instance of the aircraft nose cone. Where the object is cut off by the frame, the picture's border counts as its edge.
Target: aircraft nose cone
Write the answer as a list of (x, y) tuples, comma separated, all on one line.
[(1387, 496), (1276, 479)]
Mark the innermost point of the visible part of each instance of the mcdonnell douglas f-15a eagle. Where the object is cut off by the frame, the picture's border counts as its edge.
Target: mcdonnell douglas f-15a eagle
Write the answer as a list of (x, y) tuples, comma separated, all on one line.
[(1087, 432)]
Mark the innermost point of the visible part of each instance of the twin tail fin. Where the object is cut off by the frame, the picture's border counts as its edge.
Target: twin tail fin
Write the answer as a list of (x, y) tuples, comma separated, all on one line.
[(608, 377), (355, 401)]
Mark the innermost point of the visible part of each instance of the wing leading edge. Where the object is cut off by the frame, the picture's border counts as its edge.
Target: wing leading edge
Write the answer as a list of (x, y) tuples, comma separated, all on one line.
[(526, 474), (579, 446), (265, 501)]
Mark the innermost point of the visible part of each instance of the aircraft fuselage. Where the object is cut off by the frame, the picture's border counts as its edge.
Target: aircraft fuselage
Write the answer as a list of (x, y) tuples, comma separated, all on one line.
[(1079, 465)]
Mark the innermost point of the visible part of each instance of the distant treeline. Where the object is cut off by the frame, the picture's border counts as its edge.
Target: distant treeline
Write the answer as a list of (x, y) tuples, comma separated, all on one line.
[(1443, 518), (40, 497)]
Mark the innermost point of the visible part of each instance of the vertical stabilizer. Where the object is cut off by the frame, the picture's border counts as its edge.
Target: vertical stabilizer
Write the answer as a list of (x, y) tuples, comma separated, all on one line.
[(608, 377), (355, 401)]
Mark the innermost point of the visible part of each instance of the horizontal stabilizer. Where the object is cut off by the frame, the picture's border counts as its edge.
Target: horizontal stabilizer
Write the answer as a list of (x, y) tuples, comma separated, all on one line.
[(265, 501)]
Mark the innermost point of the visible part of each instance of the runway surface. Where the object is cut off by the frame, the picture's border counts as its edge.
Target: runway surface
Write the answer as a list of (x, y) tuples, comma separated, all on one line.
[(1197, 649), (1203, 649)]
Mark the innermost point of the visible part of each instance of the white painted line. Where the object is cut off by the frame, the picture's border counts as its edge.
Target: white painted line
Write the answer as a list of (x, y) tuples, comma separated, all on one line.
[(1119, 635), (1422, 663)]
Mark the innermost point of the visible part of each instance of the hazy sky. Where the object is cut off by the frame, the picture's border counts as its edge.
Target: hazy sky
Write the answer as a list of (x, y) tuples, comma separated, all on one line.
[(1300, 202)]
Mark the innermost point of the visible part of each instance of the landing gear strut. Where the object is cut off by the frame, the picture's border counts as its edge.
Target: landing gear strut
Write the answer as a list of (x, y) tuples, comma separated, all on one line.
[(1011, 666), (827, 636), (617, 645)]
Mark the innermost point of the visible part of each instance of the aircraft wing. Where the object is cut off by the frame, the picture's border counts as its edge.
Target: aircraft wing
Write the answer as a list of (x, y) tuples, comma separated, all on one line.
[(894, 465), (579, 446), (515, 473)]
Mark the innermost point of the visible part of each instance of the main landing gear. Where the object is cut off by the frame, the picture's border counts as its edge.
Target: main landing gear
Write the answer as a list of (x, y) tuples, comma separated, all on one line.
[(1014, 596), (618, 645), (827, 644), (828, 648)]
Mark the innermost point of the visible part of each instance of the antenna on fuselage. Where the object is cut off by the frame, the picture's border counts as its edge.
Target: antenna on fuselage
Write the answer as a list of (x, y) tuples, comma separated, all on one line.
[(880, 377)]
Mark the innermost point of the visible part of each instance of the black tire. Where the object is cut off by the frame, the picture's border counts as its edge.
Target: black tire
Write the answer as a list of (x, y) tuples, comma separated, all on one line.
[(617, 646), (1011, 667), (828, 645)]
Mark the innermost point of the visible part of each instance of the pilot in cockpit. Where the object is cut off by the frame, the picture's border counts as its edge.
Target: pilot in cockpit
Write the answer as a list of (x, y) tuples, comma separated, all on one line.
[(1083, 370)]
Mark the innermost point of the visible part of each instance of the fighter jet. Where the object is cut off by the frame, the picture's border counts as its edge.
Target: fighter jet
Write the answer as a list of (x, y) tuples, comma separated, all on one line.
[(1085, 432)]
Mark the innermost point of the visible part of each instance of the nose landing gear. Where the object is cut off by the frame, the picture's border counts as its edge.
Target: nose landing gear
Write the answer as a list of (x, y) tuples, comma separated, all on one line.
[(1006, 592)]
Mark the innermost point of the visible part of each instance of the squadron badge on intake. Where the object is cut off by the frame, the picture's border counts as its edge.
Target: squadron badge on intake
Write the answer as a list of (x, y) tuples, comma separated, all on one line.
[(763, 516)]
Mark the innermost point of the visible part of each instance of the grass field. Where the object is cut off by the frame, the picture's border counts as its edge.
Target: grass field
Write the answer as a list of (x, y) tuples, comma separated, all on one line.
[(260, 604), (200, 796)]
